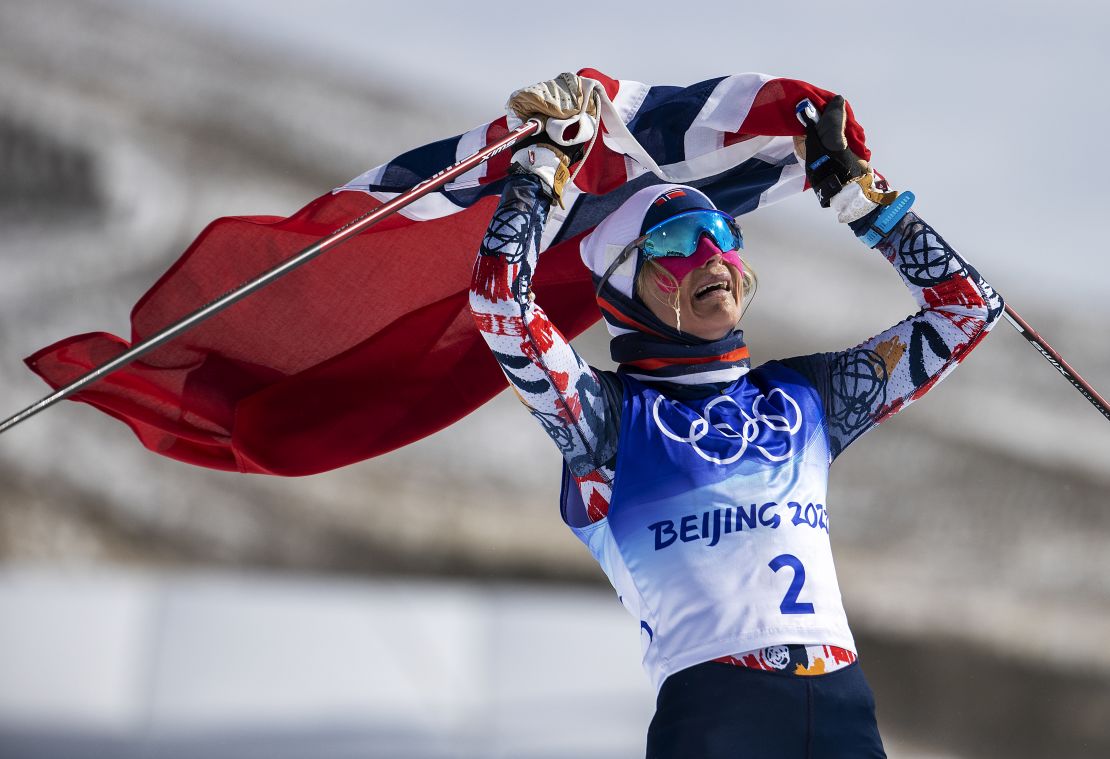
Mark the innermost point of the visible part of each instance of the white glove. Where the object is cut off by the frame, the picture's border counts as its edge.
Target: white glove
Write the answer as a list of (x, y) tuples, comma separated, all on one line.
[(567, 111), (861, 196), (549, 164)]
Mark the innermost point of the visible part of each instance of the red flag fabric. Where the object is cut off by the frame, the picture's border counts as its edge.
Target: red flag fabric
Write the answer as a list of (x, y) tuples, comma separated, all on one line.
[(371, 346), (303, 377)]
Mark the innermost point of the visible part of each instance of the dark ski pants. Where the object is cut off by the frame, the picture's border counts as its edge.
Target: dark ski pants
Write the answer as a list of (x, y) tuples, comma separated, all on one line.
[(719, 711)]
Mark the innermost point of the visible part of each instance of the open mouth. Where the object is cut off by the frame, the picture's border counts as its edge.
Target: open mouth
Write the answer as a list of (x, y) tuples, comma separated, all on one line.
[(707, 290)]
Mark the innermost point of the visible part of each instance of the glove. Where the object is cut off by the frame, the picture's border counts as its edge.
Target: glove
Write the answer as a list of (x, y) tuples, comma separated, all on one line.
[(569, 118), (548, 164), (560, 104), (838, 176)]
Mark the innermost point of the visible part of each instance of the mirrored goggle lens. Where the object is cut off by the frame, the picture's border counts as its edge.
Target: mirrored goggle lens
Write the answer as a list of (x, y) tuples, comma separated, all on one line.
[(679, 235)]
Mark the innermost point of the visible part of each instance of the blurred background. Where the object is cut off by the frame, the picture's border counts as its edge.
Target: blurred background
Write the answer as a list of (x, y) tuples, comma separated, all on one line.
[(429, 603)]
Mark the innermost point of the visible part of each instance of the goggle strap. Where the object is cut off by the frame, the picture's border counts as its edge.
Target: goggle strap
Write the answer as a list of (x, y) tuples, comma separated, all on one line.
[(618, 261)]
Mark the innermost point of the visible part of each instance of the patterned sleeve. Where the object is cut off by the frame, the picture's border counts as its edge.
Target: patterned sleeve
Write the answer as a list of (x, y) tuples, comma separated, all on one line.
[(577, 407), (862, 386)]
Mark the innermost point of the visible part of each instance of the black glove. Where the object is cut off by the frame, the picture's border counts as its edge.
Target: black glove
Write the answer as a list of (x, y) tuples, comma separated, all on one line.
[(829, 164), (838, 176)]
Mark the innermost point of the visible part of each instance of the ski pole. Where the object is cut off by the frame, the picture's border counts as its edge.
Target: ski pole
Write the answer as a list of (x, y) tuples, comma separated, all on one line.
[(1057, 360), (347, 231), (807, 114)]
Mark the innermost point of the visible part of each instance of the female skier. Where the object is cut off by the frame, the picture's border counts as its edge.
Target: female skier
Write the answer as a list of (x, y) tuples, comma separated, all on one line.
[(697, 482)]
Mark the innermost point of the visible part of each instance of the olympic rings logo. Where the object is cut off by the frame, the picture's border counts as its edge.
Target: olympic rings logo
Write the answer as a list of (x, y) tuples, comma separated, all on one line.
[(748, 431)]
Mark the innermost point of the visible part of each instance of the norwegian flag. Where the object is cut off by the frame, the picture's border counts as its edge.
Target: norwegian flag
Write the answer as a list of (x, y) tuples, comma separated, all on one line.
[(372, 346)]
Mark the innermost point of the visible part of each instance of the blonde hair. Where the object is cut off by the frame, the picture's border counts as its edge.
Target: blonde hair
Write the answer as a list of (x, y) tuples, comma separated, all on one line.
[(653, 279)]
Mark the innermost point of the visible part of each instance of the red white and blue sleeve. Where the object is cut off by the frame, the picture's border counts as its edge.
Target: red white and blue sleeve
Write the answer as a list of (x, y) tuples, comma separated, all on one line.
[(864, 385), (578, 407)]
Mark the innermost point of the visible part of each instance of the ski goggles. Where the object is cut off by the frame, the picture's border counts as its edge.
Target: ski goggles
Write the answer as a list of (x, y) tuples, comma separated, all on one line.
[(679, 236), (685, 242)]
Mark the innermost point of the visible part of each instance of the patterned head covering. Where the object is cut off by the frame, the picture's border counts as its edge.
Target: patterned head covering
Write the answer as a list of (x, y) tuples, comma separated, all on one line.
[(644, 345), (643, 210)]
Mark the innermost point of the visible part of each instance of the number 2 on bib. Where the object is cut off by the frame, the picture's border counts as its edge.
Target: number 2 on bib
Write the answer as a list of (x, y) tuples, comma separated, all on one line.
[(790, 604)]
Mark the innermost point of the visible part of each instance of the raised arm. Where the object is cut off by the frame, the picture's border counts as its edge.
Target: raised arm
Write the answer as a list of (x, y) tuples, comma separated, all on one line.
[(864, 385), (577, 407)]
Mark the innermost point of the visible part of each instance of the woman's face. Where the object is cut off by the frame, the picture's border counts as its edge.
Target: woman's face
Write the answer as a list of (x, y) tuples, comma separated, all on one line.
[(709, 299)]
